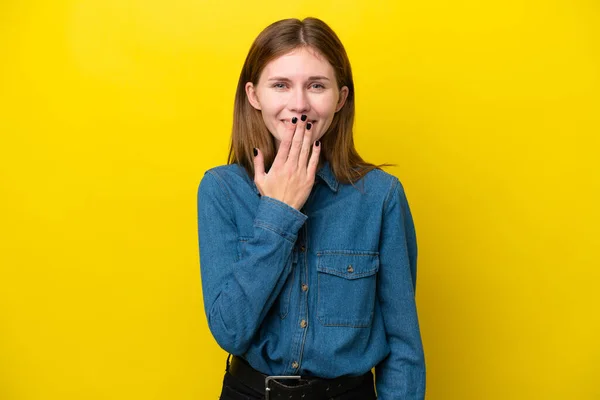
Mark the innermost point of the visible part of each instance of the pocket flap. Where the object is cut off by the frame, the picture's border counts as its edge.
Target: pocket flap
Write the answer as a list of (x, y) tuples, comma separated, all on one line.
[(348, 264)]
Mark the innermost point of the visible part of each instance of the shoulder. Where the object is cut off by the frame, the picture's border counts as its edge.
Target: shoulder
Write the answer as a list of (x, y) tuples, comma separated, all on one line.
[(227, 171), (219, 179), (380, 176), (230, 181), (382, 181), (226, 175)]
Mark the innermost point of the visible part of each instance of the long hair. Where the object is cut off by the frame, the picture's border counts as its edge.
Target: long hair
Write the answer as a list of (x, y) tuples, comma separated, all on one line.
[(249, 129)]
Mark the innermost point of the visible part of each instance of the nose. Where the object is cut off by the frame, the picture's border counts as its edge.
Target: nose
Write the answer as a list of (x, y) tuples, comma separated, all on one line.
[(299, 101)]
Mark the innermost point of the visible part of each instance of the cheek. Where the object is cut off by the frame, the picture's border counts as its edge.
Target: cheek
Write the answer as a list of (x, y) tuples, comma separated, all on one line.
[(272, 104), (325, 106)]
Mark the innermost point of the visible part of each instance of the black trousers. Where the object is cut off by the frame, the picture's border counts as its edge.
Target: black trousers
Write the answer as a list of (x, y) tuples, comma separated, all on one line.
[(233, 389)]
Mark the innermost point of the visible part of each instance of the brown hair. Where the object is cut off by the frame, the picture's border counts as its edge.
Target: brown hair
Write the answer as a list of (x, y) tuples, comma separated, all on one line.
[(249, 130)]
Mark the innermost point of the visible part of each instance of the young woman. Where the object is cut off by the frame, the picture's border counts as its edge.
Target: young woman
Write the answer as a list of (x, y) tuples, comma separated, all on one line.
[(308, 253)]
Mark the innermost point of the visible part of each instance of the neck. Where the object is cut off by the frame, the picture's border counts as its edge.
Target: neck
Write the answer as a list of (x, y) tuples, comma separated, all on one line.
[(321, 162)]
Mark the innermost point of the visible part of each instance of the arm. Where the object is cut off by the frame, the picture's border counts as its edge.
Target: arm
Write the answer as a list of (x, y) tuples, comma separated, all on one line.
[(238, 293), (401, 375)]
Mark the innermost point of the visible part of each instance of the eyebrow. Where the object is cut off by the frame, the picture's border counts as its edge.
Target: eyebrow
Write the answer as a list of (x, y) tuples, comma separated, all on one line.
[(310, 78)]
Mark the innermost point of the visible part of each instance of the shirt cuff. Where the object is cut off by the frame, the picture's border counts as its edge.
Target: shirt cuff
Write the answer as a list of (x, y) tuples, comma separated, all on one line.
[(279, 217)]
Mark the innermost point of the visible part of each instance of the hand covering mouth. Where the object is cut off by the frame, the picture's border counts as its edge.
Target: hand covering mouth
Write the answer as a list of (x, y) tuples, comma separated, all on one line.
[(288, 121)]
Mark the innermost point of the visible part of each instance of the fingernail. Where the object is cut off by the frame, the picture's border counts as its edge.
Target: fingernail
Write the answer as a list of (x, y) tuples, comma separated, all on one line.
[(294, 120), (303, 117), (318, 143), (255, 152), (308, 126)]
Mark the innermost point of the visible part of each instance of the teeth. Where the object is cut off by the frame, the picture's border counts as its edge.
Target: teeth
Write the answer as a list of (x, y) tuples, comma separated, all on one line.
[(285, 121)]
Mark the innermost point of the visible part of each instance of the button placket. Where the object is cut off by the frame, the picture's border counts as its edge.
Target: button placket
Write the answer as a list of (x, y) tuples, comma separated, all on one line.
[(299, 337)]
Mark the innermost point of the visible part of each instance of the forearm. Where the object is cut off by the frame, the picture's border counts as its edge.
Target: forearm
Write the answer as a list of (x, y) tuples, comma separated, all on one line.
[(244, 298), (241, 280)]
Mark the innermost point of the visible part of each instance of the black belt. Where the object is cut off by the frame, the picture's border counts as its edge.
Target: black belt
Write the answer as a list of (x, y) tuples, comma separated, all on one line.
[(293, 387)]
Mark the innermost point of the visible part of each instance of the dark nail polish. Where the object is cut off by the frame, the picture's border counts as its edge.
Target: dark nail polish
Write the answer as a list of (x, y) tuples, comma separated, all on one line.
[(255, 152), (294, 120), (318, 143), (308, 126), (303, 117)]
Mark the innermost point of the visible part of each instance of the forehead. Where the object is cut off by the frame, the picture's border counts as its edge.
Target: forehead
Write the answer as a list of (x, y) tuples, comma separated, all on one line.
[(299, 63)]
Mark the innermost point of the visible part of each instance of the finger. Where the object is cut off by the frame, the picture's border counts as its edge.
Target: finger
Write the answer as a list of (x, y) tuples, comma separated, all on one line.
[(306, 145), (297, 142), (259, 164), (284, 147), (314, 158)]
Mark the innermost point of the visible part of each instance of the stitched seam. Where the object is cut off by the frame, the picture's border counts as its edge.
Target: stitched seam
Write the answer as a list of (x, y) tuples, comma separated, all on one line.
[(221, 184), (347, 275), (271, 228), (359, 253), (282, 205), (389, 195)]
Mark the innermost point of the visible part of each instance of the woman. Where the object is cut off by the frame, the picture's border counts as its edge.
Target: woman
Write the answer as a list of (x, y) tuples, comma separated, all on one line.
[(307, 252)]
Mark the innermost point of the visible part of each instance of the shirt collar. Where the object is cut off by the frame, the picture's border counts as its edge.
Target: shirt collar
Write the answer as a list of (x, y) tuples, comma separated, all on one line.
[(324, 173), (327, 175)]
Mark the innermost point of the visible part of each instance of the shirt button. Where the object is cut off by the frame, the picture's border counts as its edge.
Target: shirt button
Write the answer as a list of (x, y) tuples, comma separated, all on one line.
[(302, 249), (304, 287), (295, 365), (303, 323), (350, 268)]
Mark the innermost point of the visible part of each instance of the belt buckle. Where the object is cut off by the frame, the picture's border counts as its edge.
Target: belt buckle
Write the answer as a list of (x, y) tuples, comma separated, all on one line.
[(268, 380)]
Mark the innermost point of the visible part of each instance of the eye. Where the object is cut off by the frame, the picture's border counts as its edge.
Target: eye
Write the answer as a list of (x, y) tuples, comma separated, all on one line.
[(279, 85), (317, 86)]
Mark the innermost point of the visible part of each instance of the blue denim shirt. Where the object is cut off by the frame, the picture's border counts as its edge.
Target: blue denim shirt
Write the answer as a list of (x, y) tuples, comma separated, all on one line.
[(325, 291)]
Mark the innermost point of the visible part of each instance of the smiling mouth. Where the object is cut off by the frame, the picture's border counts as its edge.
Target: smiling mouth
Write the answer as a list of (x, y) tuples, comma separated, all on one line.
[(288, 122)]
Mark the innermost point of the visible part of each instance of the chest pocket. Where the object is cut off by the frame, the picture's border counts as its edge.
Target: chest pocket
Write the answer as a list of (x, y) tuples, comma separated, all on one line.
[(346, 287)]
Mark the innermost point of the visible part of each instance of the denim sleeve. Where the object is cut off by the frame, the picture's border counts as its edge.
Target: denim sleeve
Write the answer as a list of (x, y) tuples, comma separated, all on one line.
[(239, 289), (401, 375)]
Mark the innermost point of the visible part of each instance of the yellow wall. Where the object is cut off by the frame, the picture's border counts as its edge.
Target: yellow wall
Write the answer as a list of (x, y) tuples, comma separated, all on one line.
[(111, 110)]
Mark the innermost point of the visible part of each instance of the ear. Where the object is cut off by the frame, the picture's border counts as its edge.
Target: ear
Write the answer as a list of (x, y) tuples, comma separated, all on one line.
[(342, 100), (251, 94)]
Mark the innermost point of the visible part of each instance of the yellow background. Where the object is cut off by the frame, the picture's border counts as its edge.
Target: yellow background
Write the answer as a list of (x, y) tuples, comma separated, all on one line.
[(111, 110)]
